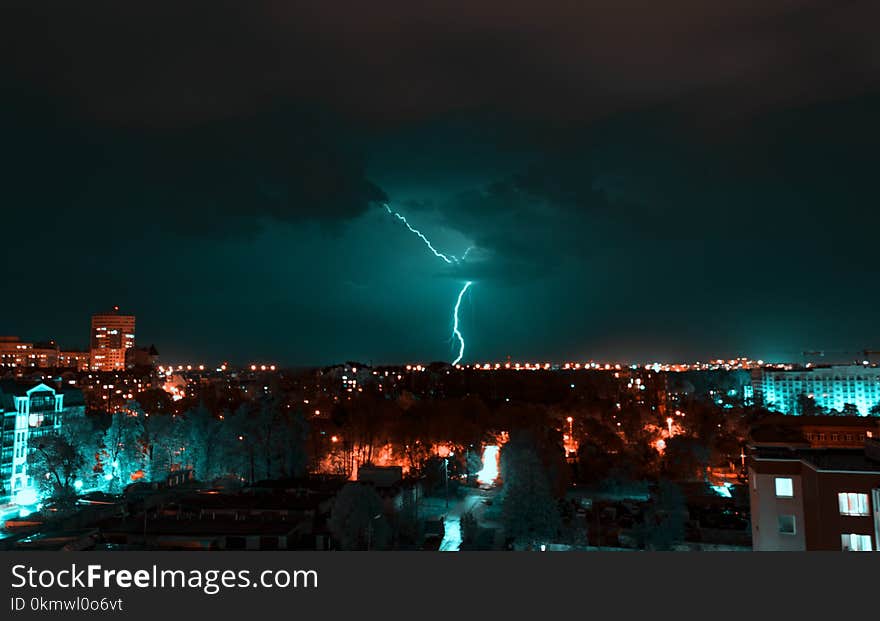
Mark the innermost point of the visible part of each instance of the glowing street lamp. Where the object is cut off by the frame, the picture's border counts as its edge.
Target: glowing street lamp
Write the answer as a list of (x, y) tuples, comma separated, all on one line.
[(446, 474)]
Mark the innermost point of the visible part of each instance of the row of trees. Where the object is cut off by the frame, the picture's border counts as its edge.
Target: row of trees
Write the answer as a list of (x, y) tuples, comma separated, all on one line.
[(260, 440), (805, 405)]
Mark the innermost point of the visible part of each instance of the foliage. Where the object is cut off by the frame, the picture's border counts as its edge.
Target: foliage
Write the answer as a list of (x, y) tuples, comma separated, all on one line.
[(529, 511), (61, 458), (470, 530), (664, 518), (123, 450), (685, 458), (357, 521)]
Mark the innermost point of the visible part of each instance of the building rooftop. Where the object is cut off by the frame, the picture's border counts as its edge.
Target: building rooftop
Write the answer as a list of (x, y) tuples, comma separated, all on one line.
[(10, 388), (853, 460), (17, 388), (838, 459), (788, 429)]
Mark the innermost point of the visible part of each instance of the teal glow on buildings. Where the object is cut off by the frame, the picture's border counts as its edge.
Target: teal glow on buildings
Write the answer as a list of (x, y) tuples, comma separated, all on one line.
[(831, 388), (28, 410)]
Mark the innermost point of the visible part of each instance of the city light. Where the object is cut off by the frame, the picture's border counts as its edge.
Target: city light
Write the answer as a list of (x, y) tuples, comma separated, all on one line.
[(489, 473)]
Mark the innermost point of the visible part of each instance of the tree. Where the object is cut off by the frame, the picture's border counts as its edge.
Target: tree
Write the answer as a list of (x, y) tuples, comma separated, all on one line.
[(599, 448), (357, 521), (122, 455), (529, 511), (850, 409), (407, 526), (62, 462), (159, 438), (805, 405), (686, 459), (473, 463), (292, 441), (155, 401), (207, 441), (470, 530), (664, 518), (56, 464)]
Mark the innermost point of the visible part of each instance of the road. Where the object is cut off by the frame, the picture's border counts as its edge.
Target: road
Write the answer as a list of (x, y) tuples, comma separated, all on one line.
[(452, 521)]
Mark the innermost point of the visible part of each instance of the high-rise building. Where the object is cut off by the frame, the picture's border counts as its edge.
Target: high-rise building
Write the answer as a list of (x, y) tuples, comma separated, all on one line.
[(112, 336), (830, 388)]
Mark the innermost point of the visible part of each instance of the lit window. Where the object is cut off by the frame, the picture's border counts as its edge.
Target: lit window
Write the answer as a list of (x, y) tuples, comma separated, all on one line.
[(852, 503), (786, 525), (851, 542), (784, 487)]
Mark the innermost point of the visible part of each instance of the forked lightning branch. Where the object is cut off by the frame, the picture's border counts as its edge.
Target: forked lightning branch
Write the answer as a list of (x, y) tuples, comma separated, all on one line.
[(452, 260)]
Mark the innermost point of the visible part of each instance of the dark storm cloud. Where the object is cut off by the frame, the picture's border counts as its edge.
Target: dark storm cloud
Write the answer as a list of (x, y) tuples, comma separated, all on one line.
[(637, 189), (169, 63), (224, 177)]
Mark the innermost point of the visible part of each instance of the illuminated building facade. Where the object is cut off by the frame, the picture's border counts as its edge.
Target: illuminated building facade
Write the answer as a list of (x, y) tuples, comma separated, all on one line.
[(15, 353), (29, 410), (816, 485), (831, 388), (111, 337), (72, 359)]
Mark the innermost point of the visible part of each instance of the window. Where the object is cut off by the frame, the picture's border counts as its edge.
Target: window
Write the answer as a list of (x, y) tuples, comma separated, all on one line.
[(851, 542), (784, 487), (852, 503), (786, 524)]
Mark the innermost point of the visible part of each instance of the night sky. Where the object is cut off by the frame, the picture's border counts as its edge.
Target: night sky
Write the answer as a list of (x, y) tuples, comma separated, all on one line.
[(659, 181)]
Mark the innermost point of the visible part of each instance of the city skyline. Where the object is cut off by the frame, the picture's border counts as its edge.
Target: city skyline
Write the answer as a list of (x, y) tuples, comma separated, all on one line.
[(807, 356)]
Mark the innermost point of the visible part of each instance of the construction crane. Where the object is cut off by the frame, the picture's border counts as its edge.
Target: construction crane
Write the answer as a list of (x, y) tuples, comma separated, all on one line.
[(865, 353)]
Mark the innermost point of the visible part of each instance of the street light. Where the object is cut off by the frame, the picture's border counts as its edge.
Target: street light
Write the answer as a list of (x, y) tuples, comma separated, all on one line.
[(446, 473), (370, 530)]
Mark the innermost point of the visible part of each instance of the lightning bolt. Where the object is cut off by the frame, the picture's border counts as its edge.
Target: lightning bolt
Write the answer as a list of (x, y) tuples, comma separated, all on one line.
[(455, 331), (430, 246), (451, 259)]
